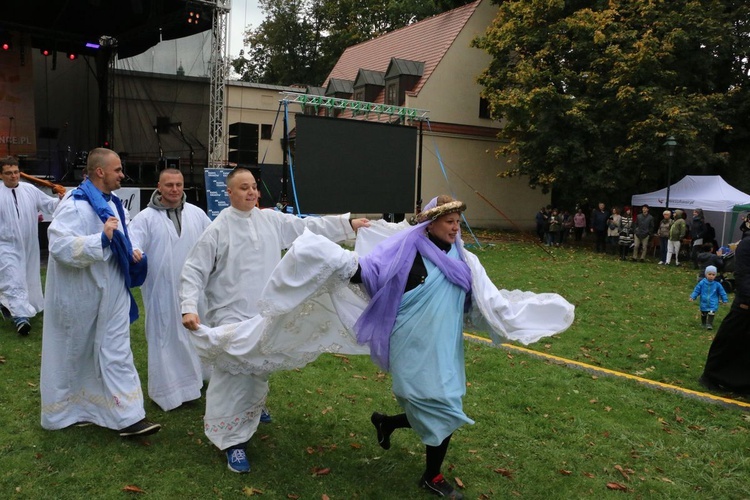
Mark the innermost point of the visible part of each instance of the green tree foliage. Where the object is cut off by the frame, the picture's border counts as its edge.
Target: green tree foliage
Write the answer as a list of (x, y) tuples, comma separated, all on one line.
[(299, 41), (590, 90)]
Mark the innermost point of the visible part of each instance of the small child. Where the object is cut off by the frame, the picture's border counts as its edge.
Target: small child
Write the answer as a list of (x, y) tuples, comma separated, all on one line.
[(710, 292)]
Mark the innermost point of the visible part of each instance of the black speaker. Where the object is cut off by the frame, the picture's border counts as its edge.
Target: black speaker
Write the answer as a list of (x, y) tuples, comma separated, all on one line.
[(243, 143)]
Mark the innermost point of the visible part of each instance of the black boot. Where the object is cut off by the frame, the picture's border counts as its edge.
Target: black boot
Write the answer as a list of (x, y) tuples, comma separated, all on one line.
[(710, 321)]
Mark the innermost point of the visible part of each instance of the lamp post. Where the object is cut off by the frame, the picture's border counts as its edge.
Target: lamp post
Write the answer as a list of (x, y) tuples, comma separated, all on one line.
[(670, 145)]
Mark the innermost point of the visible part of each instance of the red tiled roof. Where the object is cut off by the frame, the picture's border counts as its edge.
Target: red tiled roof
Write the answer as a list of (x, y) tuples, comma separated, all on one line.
[(426, 41)]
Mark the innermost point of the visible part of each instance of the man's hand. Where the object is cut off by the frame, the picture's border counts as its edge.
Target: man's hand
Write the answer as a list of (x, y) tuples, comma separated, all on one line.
[(137, 255), (191, 321), (109, 227), (357, 223)]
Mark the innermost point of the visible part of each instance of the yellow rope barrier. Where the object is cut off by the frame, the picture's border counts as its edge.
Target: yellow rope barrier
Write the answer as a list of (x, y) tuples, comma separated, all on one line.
[(612, 373)]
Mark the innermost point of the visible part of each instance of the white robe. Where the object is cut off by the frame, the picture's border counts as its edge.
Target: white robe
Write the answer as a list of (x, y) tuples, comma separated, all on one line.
[(87, 366), (232, 262), (174, 369), (20, 278), (309, 307)]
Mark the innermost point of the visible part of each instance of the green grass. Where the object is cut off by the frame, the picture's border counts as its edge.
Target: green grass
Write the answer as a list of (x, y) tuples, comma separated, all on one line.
[(542, 430)]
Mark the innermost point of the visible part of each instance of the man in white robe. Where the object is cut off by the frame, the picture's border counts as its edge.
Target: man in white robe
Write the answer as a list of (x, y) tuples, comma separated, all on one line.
[(88, 375), (165, 231), (20, 279), (232, 262)]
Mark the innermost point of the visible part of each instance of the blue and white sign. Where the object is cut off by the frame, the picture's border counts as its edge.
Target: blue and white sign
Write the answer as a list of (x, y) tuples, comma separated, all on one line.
[(217, 198)]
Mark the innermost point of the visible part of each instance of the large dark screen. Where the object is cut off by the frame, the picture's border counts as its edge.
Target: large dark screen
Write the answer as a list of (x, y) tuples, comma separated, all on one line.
[(345, 165)]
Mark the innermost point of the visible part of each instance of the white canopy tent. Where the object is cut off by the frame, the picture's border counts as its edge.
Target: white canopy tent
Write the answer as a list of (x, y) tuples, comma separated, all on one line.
[(709, 192)]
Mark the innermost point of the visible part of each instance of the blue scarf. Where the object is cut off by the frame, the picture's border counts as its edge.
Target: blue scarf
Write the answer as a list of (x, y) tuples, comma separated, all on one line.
[(133, 273)]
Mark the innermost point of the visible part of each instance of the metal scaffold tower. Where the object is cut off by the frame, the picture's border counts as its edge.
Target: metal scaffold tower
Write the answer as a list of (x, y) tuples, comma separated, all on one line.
[(218, 72)]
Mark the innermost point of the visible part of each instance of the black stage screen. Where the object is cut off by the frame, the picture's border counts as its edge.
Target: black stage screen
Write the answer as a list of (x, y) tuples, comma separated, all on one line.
[(345, 165)]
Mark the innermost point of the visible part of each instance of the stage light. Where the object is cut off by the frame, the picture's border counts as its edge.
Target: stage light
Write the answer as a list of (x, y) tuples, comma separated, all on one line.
[(72, 56), (6, 42), (193, 17), (91, 45), (45, 52)]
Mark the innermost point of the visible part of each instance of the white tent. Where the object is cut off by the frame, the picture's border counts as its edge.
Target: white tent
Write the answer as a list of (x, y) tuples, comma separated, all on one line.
[(709, 192)]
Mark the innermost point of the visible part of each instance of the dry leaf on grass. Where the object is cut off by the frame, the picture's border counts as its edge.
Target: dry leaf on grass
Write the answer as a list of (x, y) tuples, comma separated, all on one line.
[(131, 488), (250, 491), (617, 486), (459, 483), (292, 496), (565, 472), (504, 472), (619, 469), (317, 471)]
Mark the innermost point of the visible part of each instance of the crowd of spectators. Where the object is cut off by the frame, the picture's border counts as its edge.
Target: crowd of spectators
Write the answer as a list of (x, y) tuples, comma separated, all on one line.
[(618, 231)]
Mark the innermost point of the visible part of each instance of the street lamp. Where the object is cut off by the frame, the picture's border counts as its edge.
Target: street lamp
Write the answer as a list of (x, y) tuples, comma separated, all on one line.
[(669, 145)]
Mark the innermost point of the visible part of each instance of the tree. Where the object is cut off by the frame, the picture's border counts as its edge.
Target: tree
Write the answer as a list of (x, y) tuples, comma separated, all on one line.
[(589, 90), (299, 41)]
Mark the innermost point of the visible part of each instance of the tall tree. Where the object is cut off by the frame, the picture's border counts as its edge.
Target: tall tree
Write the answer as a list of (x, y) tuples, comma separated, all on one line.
[(590, 90), (299, 41)]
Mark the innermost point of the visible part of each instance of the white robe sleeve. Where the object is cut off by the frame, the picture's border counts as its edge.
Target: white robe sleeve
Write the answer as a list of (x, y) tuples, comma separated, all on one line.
[(515, 315), (196, 271), (68, 242)]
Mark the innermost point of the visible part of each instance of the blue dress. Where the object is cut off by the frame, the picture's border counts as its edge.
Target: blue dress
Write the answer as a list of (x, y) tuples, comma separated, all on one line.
[(427, 356)]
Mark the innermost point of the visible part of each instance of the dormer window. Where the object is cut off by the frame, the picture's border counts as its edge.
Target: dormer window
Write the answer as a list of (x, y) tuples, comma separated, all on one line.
[(391, 93)]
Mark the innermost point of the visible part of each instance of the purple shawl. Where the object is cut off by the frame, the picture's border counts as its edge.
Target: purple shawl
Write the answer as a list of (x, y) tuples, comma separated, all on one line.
[(384, 274)]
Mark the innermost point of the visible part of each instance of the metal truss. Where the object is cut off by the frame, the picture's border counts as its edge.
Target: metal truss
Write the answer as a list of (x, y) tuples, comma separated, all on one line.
[(356, 107), (218, 72)]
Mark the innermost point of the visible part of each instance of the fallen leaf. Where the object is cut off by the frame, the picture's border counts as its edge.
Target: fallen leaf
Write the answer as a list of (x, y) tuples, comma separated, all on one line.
[(324, 497), (459, 483), (310, 450), (31, 384), (619, 469), (328, 408), (593, 401), (617, 486), (504, 472), (250, 491), (565, 472), (321, 472), (356, 446), (667, 480), (133, 489), (360, 377), (590, 475), (292, 496)]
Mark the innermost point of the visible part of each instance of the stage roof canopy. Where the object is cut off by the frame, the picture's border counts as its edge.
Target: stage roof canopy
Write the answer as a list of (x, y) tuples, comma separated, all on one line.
[(136, 25)]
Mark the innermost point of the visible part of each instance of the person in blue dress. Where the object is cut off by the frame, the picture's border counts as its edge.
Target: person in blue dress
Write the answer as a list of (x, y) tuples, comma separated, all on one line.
[(423, 349)]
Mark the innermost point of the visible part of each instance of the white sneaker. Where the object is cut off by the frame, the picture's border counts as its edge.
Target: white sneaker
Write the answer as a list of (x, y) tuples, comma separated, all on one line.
[(661, 263)]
